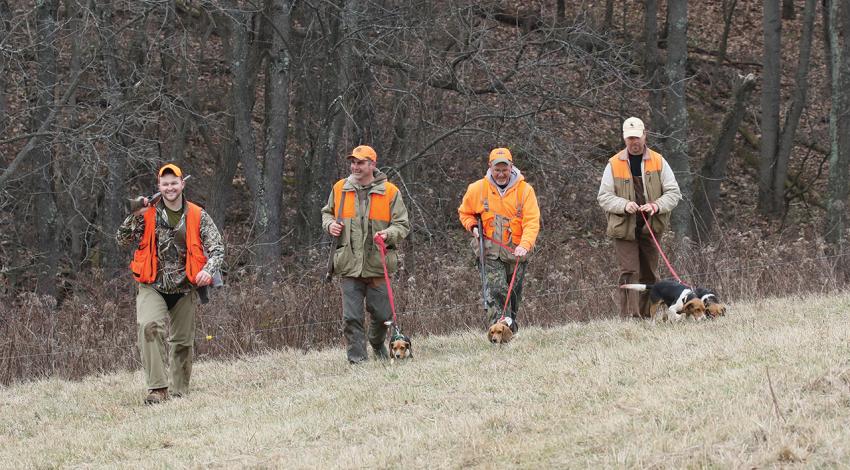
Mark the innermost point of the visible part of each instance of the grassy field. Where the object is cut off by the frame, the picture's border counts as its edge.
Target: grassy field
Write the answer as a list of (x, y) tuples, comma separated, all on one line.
[(768, 385)]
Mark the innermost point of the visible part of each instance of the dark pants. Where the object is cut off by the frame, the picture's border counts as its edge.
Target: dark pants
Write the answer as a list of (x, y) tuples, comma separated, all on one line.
[(638, 261), (374, 291)]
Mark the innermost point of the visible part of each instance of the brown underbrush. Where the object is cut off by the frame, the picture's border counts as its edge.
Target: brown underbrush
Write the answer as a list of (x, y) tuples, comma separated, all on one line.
[(568, 280)]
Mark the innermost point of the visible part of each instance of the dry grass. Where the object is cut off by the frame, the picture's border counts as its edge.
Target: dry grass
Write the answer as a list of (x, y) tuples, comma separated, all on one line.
[(602, 393)]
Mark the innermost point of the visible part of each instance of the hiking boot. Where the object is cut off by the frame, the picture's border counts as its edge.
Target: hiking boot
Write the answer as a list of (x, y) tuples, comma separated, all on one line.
[(157, 395), (381, 351)]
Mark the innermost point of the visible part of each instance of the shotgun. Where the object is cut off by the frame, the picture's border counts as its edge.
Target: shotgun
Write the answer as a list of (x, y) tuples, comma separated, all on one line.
[(481, 263), (330, 272), (139, 202)]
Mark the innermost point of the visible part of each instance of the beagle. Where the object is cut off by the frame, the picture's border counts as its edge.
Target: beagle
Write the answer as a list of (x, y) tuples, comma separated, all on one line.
[(500, 332), (713, 307), (400, 347), (679, 299)]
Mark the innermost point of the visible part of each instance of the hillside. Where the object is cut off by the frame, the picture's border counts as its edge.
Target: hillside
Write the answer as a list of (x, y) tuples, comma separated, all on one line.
[(766, 385)]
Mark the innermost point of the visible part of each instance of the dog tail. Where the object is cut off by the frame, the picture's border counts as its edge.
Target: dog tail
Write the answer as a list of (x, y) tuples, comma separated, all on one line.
[(637, 287)]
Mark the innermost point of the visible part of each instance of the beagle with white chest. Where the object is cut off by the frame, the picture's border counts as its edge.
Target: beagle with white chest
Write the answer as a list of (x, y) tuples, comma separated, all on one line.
[(679, 299)]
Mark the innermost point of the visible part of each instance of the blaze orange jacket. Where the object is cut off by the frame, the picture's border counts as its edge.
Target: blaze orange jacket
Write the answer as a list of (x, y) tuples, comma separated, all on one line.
[(145, 264), (518, 205)]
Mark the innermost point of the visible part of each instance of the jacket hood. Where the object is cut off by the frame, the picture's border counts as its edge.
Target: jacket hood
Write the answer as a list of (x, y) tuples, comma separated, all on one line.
[(379, 178), (516, 177)]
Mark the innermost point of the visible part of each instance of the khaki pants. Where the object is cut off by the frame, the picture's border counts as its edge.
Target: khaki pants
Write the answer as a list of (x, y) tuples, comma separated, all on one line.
[(638, 261), (151, 315), (374, 291)]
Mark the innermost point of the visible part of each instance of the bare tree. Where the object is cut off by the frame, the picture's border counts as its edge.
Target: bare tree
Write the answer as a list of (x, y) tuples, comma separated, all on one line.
[(798, 101), (838, 25), (707, 185), (652, 69), (677, 111), (45, 215), (264, 175), (770, 101), (788, 12)]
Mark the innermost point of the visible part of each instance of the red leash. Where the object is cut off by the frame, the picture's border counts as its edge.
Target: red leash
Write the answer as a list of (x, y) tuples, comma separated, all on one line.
[(382, 246), (513, 276), (663, 256)]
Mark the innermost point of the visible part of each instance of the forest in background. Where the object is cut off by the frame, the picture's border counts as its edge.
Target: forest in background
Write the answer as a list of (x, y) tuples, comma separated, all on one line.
[(261, 100)]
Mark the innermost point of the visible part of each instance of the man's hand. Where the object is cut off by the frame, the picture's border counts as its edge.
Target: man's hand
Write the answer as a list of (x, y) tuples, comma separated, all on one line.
[(143, 201), (475, 232), (650, 207), (382, 234), (203, 278), (632, 207), (335, 228), (520, 251)]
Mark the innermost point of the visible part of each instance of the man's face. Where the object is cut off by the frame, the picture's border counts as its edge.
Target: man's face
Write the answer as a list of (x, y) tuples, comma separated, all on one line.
[(501, 173), (171, 186), (636, 145), (362, 170)]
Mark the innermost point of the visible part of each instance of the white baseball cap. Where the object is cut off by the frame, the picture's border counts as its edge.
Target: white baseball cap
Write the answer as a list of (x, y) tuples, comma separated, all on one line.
[(633, 127)]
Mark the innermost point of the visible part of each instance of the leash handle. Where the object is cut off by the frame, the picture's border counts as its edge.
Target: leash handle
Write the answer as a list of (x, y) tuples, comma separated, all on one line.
[(663, 256), (382, 247)]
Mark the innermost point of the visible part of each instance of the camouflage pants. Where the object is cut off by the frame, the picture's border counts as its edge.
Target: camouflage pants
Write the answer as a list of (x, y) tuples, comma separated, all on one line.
[(374, 291), (152, 315), (498, 274)]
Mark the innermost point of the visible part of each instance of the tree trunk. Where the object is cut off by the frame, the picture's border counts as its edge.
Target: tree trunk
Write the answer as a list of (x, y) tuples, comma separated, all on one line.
[(770, 97), (317, 171), (5, 14), (792, 118), (839, 123), (116, 156), (707, 186), (788, 9), (46, 214), (656, 96), (608, 22), (276, 126), (677, 111), (728, 15)]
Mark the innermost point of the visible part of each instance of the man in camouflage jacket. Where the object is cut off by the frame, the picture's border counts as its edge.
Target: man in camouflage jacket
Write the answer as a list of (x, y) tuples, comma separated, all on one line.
[(186, 253)]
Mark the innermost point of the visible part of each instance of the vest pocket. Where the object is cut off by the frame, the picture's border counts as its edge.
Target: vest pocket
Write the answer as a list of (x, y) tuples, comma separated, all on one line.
[(618, 225), (659, 223)]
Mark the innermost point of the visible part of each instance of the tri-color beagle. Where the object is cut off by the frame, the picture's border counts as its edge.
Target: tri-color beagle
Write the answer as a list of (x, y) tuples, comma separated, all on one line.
[(713, 307), (400, 347), (679, 299)]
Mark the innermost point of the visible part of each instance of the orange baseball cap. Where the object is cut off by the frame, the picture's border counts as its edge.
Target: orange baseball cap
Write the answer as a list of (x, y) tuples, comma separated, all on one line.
[(364, 152), (170, 167), (501, 155)]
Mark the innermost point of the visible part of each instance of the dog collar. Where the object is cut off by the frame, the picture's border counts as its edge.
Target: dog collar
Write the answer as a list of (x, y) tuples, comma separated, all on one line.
[(396, 337), (707, 296)]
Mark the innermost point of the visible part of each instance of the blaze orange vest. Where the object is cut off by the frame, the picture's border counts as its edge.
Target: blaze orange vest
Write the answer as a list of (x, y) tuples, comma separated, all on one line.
[(379, 207), (145, 262)]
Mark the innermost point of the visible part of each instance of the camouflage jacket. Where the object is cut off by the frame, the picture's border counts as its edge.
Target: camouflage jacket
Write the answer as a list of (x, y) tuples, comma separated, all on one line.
[(171, 247)]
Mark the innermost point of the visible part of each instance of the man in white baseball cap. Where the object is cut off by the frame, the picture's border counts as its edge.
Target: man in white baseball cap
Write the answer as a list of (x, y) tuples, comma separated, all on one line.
[(637, 180)]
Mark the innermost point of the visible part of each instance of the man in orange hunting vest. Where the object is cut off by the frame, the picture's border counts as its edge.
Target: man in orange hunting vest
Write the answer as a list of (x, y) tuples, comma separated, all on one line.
[(359, 207), (507, 206), (179, 249), (637, 179)]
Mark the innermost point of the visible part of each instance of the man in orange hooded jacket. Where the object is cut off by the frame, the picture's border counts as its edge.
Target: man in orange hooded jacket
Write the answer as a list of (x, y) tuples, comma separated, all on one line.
[(509, 213)]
